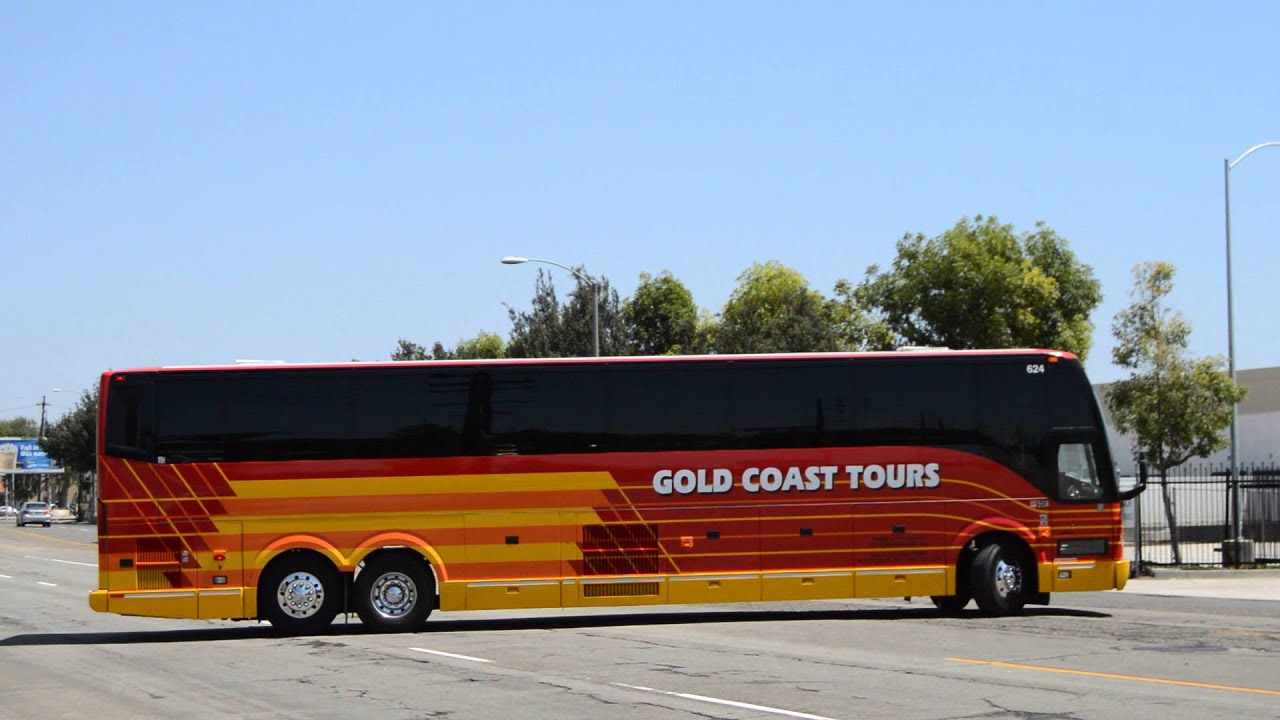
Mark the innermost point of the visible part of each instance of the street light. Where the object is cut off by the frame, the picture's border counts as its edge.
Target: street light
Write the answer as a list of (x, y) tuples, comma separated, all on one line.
[(1227, 165), (595, 301)]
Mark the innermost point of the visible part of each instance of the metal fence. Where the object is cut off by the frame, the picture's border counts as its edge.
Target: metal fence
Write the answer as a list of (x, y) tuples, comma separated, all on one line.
[(1186, 519)]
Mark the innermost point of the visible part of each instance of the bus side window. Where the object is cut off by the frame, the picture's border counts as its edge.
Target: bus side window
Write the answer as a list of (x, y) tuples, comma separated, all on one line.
[(1077, 473)]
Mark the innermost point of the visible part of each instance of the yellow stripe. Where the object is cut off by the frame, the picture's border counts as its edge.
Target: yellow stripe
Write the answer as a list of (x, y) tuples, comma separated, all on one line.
[(423, 485), (1110, 676)]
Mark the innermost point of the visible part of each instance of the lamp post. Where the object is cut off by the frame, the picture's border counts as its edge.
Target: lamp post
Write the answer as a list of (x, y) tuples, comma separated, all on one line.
[(1237, 541), (595, 300)]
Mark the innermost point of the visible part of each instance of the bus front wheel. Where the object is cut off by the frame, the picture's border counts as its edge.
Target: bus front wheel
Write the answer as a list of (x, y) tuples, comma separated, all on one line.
[(394, 593), (1000, 578), (300, 595)]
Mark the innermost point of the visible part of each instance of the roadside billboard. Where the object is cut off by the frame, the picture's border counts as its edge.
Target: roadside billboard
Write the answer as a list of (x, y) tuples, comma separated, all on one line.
[(23, 454)]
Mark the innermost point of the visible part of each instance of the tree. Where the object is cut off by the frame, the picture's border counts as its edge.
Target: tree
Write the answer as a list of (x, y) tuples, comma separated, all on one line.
[(72, 442), (1176, 406), (661, 316), (982, 285), (406, 350), (483, 345), (19, 427), (856, 327), (773, 310), (553, 329)]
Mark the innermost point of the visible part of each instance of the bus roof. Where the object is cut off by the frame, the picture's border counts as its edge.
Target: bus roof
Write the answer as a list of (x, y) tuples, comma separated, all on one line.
[(913, 352)]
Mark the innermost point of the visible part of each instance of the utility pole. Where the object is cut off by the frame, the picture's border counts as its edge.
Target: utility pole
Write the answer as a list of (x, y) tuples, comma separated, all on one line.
[(43, 404)]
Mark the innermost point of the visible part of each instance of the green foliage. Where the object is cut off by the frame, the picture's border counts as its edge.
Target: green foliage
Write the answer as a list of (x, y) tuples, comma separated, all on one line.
[(19, 427), (406, 350), (856, 327), (554, 329), (70, 442), (661, 317), (485, 345), (1177, 407), (982, 285), (773, 310)]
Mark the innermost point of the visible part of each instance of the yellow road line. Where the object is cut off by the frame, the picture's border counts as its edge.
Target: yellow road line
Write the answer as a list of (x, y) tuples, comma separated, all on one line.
[(1111, 676), (42, 536)]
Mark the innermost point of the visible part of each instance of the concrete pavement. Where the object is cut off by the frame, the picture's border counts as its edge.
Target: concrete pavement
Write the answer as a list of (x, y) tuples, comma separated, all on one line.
[(1225, 584)]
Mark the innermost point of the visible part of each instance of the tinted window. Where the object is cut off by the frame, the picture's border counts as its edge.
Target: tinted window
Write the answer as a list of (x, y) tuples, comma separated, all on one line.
[(1020, 408), (916, 402), (417, 413), (790, 404), (668, 406), (533, 410), (285, 415), (130, 428)]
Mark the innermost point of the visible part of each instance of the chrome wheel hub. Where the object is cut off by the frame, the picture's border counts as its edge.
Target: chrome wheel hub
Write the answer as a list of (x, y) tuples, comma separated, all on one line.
[(300, 595), (393, 595), (1008, 579)]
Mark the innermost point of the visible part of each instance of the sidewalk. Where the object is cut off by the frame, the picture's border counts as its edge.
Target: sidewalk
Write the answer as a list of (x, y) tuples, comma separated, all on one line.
[(1226, 584)]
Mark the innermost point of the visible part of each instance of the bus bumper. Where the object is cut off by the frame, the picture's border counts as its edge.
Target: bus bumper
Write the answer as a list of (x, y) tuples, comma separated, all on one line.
[(1087, 575), (210, 604)]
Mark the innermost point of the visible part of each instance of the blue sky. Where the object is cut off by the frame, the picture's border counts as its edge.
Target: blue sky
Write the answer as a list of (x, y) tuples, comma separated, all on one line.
[(312, 181)]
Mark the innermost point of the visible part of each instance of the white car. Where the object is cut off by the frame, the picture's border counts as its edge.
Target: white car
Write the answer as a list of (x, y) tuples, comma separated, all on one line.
[(34, 512), (8, 511)]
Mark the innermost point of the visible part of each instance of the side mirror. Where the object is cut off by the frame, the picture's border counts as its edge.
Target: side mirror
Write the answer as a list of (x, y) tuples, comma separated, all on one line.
[(1131, 487)]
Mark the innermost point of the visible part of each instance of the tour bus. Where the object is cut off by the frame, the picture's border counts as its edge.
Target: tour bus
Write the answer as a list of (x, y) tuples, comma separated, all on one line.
[(291, 493)]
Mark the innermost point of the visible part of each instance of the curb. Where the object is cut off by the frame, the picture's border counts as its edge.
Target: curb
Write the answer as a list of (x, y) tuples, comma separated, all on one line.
[(1219, 574)]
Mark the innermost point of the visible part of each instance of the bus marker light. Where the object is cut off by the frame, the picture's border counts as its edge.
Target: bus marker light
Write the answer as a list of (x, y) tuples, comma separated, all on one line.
[(219, 555)]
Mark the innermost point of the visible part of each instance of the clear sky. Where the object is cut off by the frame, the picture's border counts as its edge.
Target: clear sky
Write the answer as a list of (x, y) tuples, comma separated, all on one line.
[(195, 183)]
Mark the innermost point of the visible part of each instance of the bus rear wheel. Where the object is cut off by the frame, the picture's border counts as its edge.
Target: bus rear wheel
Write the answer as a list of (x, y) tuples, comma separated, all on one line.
[(300, 595), (394, 593), (1000, 578)]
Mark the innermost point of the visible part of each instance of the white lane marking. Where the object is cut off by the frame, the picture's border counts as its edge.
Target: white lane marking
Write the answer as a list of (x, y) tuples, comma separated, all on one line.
[(41, 582), (730, 703), (65, 562), (6, 577), (452, 655)]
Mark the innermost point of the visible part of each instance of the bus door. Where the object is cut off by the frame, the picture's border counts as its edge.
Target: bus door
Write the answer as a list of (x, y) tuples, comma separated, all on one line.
[(221, 574)]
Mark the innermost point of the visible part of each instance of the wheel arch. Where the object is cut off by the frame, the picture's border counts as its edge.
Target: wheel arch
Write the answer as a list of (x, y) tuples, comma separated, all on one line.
[(402, 542)]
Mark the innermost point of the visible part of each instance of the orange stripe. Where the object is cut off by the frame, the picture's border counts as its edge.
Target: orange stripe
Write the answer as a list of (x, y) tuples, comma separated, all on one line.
[(1111, 676)]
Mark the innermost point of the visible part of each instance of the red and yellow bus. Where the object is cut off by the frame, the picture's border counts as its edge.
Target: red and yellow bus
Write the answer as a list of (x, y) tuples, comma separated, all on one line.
[(293, 493)]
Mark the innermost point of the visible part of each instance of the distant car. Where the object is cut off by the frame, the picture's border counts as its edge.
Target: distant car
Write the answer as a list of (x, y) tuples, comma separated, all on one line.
[(34, 512), (8, 511)]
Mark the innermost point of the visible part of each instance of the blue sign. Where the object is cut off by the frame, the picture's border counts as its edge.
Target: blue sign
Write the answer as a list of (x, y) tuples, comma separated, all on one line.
[(23, 454)]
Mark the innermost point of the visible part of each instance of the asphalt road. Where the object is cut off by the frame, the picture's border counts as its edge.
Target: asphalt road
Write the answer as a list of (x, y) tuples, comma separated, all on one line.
[(1096, 655)]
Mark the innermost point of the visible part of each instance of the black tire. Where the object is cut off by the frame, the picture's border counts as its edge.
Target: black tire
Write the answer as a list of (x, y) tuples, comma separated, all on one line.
[(950, 604), (48, 524), (300, 595), (1000, 578), (394, 593)]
